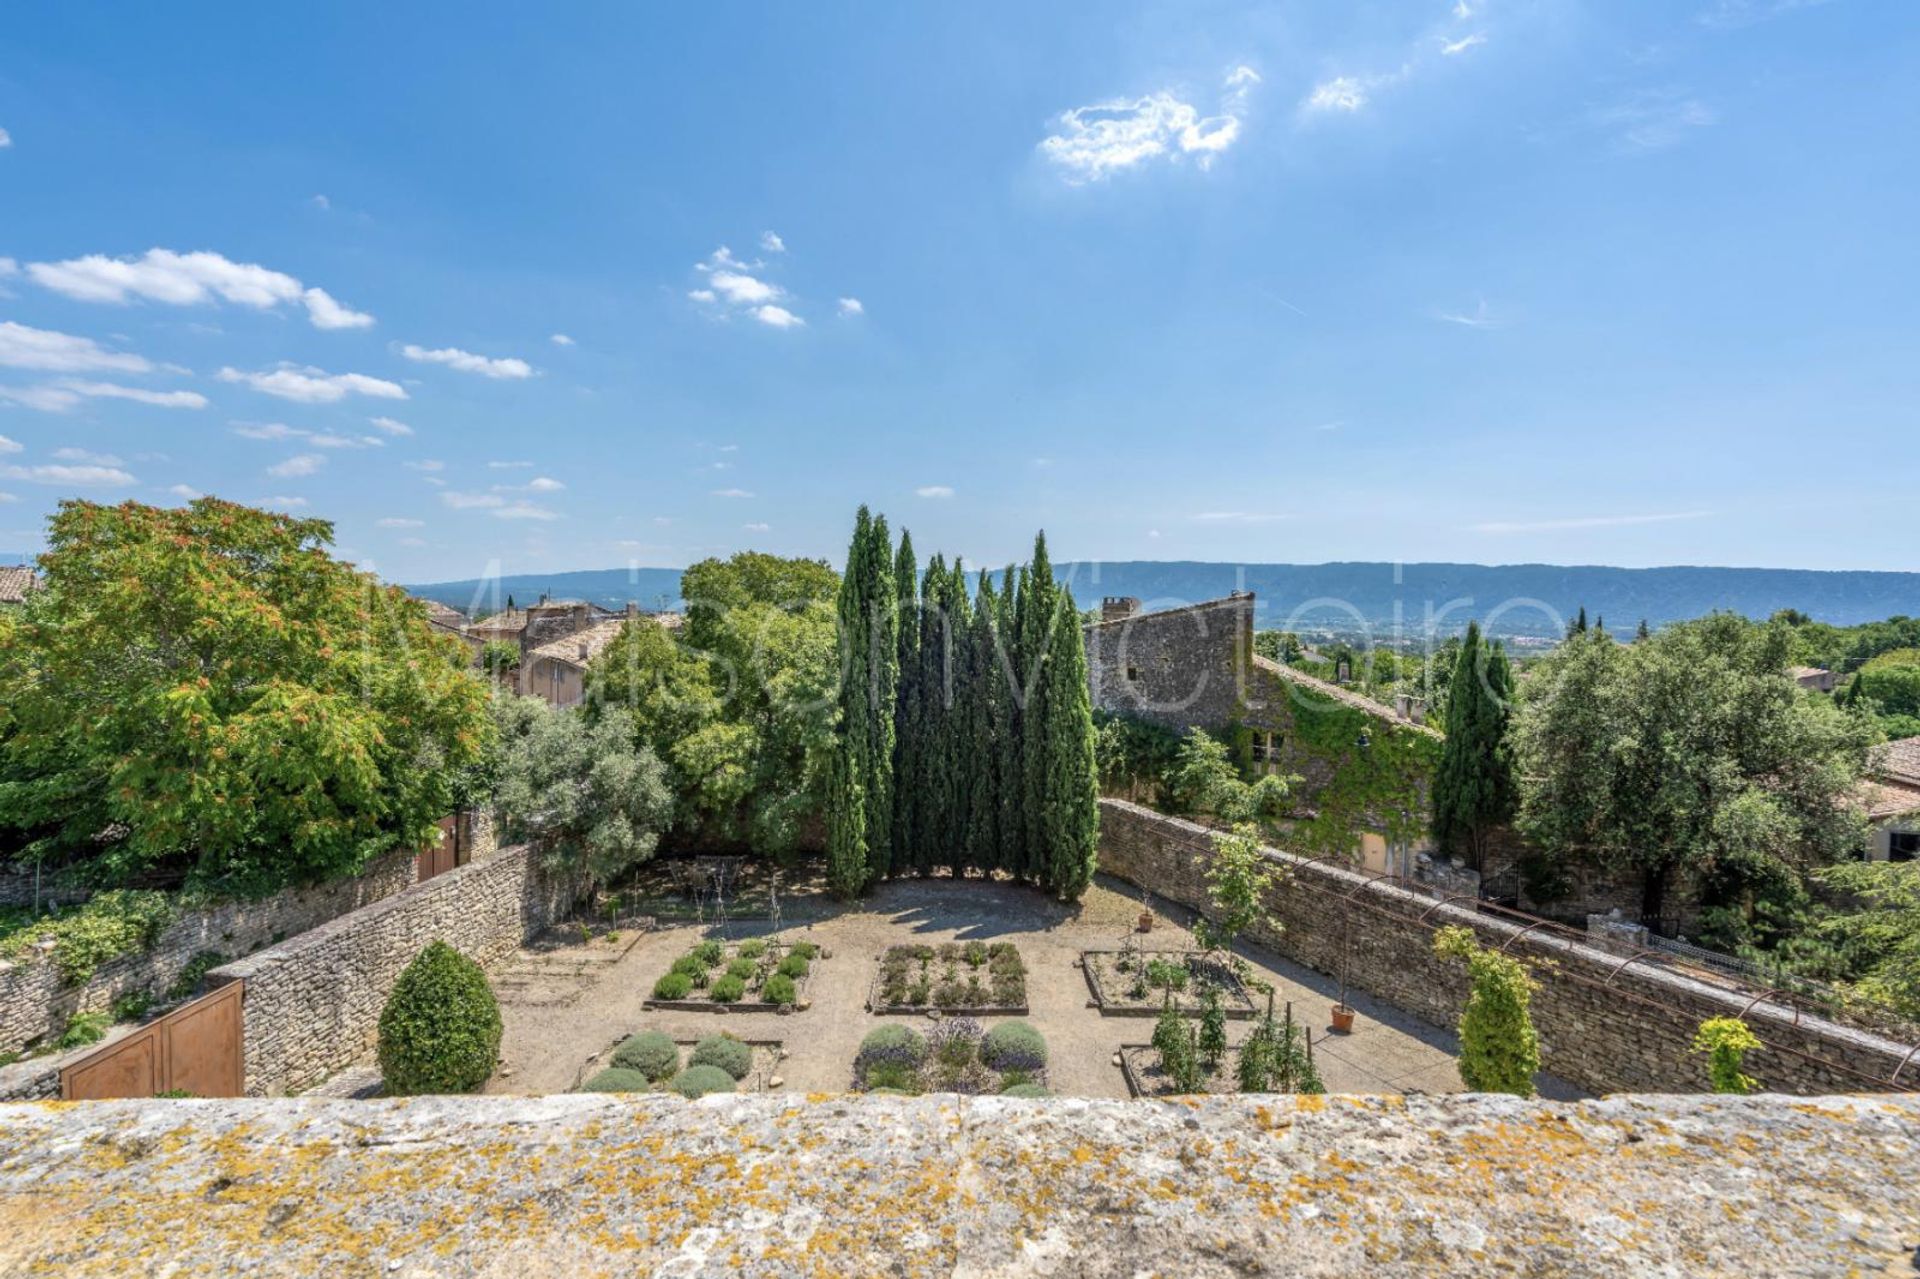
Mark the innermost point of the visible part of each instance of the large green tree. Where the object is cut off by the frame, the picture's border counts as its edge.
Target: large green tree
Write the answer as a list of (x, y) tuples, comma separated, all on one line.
[(1037, 612), (860, 851), (1473, 787), (906, 706), (1685, 752), (205, 688), (1071, 796)]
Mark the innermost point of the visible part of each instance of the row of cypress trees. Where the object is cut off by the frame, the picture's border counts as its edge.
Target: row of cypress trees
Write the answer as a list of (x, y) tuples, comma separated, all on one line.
[(966, 734)]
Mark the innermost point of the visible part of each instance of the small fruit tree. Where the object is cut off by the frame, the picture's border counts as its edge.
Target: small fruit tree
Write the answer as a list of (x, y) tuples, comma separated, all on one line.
[(440, 1030), (1498, 1049)]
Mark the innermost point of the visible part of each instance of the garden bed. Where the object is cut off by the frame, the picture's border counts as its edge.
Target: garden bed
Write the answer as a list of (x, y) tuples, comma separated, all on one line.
[(957, 1056), (1275, 1057), (956, 979), (1134, 983), (651, 1062), (760, 975)]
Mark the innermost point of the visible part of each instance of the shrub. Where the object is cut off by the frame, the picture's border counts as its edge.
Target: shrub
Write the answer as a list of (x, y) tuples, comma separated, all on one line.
[(709, 953), (84, 1028), (1025, 1090), (805, 949), (728, 990), (725, 1051), (752, 948), (1498, 1049), (692, 965), (1167, 974), (651, 1053), (188, 982), (109, 925), (698, 1081), (617, 1079), (1014, 1045), (440, 1030), (890, 1077), (779, 989), (1727, 1041), (955, 1042), (793, 966), (890, 1056), (744, 969), (673, 985)]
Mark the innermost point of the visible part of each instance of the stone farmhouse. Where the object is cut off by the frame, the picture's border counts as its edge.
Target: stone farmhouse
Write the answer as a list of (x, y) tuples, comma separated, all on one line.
[(557, 639), (1195, 667), (1891, 797), (16, 583)]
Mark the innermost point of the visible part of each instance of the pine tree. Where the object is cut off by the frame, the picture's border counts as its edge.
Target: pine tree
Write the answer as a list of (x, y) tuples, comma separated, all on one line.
[(1473, 788), (1037, 612), (1071, 813), (1644, 632), (906, 759)]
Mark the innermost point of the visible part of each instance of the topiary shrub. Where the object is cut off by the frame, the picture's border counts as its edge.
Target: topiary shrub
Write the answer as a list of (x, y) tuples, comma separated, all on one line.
[(793, 966), (728, 990), (651, 1053), (673, 986), (615, 1079), (1025, 1090), (724, 1051), (440, 1030), (698, 1081), (744, 969), (779, 989), (1498, 1049), (1014, 1045)]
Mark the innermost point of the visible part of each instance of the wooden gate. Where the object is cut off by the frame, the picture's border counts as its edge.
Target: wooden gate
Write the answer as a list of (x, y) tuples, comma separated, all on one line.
[(447, 851), (197, 1048)]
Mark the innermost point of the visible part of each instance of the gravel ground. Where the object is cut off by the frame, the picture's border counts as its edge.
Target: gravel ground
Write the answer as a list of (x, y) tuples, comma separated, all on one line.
[(564, 1004)]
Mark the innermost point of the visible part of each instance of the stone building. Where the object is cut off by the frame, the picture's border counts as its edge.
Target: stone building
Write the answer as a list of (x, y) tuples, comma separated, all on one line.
[(1365, 771), (1891, 800), (16, 583), (556, 669)]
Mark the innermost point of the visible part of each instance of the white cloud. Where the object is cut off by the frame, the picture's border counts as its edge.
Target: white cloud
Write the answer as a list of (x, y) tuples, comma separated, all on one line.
[(28, 348), (87, 456), (701, 295), (6, 139), (744, 290), (390, 426), (468, 362), (185, 492), (9, 446), (757, 528), (731, 493), (852, 306), (1240, 517), (1453, 48), (561, 339), (8, 267), (298, 465), (47, 399), (328, 440), (267, 431), (524, 511), (509, 466), (322, 203), (777, 316), (1478, 318), (309, 385), (286, 503), (934, 490), (400, 521), (1652, 120), (544, 484), (428, 464), (1583, 522), (329, 314), (772, 243), (1094, 142), (1342, 93), (472, 501), (139, 395), (70, 476), (187, 279)]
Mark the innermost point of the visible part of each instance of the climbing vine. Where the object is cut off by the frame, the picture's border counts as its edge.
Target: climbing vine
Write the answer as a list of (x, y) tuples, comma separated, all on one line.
[(1380, 786), (1726, 1041)]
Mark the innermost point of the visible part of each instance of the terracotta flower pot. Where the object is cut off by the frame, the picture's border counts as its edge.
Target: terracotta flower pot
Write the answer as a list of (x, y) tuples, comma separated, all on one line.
[(1146, 921), (1342, 1019)]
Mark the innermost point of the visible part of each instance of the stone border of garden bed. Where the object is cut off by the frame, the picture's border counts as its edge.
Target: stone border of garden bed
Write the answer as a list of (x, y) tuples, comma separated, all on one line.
[(1244, 1010), (1139, 1091), (764, 1080), (879, 1009), (800, 1002)]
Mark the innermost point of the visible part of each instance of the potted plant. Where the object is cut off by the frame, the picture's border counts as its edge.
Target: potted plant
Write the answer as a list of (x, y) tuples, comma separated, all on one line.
[(1342, 1014), (1146, 914)]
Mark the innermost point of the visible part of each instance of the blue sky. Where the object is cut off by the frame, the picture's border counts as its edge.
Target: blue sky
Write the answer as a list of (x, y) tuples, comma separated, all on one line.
[(576, 286)]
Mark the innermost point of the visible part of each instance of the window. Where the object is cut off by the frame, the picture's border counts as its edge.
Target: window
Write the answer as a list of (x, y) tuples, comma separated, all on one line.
[(1903, 845), (1133, 672), (1266, 747)]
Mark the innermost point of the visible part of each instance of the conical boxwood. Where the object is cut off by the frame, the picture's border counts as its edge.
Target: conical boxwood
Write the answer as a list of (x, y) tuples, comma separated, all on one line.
[(440, 1030)]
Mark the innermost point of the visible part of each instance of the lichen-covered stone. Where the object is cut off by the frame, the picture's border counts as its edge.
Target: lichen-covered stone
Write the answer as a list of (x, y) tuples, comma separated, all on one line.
[(764, 1185)]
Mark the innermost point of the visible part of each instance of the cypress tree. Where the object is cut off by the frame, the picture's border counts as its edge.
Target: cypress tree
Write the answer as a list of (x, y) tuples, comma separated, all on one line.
[(957, 791), (1010, 851), (846, 791), (1037, 612), (906, 760), (1071, 816), (983, 714), (879, 597), (930, 719), (1472, 788)]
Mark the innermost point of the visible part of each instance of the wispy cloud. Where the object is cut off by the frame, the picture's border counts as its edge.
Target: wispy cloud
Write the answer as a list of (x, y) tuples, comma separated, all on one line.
[(138, 395), (1728, 15), (1342, 93), (280, 431), (757, 528), (523, 511), (66, 476), (561, 339), (390, 426), (22, 347), (1349, 92), (1454, 48), (1240, 517), (731, 493), (1481, 317), (300, 464), (852, 306), (467, 362), (771, 243), (400, 521), (308, 385), (1094, 142), (733, 287), (934, 491), (1584, 522), (1652, 119), (188, 279)]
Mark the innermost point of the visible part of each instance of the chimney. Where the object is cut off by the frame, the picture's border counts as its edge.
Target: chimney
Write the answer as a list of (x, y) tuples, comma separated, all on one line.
[(1118, 608)]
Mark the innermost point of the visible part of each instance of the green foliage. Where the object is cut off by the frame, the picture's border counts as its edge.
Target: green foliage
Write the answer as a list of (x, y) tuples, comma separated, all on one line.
[(83, 1029), (1071, 816), (1206, 779), (1682, 751), (1876, 931), (673, 984), (1167, 974), (698, 1081), (779, 989), (1014, 1044), (709, 953), (651, 1052), (1473, 789), (752, 948), (589, 801), (724, 1051), (188, 982), (1212, 1041), (108, 925), (804, 950), (617, 1079), (793, 966), (499, 659), (1025, 1090), (1134, 757), (440, 1029), (743, 968), (1239, 877), (205, 688), (1727, 1041), (729, 989), (891, 1038), (1277, 1056), (860, 797), (1498, 1049)]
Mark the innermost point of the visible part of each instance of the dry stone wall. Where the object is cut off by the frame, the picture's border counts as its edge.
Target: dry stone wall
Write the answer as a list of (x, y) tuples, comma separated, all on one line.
[(1604, 1023), (312, 1004)]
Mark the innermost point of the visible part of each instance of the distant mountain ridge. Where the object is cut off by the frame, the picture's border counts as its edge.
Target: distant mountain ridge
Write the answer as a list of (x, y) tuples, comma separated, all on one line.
[(1521, 599)]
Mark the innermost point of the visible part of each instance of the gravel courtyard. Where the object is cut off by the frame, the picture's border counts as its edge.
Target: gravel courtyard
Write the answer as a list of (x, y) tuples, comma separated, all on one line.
[(564, 1003)]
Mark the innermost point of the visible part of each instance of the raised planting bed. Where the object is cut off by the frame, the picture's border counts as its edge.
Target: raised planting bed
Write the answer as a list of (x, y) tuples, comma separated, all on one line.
[(1136, 983), (652, 1062), (1187, 1056), (958, 1055), (760, 975), (958, 979)]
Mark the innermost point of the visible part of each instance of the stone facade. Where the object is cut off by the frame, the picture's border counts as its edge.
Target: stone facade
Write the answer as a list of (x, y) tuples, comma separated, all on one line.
[(1606, 1023), (313, 1003), (766, 1185), (35, 1003)]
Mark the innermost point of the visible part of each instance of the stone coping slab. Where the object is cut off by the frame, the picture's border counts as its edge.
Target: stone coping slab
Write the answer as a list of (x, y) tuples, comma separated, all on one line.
[(764, 1185)]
